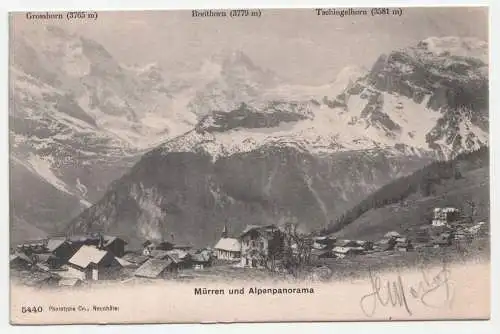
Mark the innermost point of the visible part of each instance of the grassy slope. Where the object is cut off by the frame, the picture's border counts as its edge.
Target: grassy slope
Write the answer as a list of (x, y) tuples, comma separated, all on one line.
[(417, 210)]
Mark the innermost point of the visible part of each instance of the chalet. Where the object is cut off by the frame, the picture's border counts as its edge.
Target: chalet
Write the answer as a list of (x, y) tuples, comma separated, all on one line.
[(342, 252), (259, 243), (95, 264), (403, 244), (317, 254), (134, 258), (155, 268), (183, 256), (115, 245), (346, 243), (49, 260), (159, 254), (61, 249), (228, 249), (20, 261), (181, 260), (32, 247), (201, 260), (91, 239), (445, 216), (316, 245), (324, 242), (148, 246), (366, 245)]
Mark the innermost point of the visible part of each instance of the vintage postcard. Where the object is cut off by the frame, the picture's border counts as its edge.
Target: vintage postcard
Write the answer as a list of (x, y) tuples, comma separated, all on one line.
[(249, 165)]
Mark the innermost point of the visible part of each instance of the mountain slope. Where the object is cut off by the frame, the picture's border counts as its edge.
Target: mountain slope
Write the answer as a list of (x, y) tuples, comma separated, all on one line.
[(73, 126), (409, 202), (189, 195)]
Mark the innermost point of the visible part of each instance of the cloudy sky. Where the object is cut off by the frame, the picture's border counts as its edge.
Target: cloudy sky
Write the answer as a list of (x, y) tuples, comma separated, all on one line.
[(296, 44)]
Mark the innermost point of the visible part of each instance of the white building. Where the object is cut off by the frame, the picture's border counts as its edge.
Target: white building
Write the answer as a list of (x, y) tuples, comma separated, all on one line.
[(228, 249), (443, 216)]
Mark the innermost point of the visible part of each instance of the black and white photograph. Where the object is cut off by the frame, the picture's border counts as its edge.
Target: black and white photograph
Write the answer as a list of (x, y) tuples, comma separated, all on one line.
[(249, 165)]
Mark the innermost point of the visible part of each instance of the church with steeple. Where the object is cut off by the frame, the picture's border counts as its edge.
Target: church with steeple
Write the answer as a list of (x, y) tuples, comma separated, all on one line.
[(227, 249)]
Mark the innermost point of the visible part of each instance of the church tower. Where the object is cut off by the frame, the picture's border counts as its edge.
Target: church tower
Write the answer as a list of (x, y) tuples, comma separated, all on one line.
[(224, 231)]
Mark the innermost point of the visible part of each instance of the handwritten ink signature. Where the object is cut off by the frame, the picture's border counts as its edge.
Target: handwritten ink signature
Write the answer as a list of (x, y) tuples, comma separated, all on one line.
[(392, 293), (427, 291), (388, 294)]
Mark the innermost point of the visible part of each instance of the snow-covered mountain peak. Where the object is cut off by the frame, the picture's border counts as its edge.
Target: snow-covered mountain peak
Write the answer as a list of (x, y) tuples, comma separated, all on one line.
[(414, 101), (455, 46)]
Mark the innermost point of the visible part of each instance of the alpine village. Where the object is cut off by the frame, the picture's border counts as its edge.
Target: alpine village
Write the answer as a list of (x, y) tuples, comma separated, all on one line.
[(255, 252)]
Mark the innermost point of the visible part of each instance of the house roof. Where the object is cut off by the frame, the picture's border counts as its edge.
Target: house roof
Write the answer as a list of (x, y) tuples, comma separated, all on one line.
[(342, 250), (108, 240), (159, 254), (174, 257), (316, 245), (201, 257), (325, 239), (319, 252), (37, 242), (123, 262), (85, 237), (249, 228), (86, 255), (21, 256), (135, 258), (229, 244), (339, 249), (344, 243), (179, 253), (53, 244), (44, 257), (152, 268)]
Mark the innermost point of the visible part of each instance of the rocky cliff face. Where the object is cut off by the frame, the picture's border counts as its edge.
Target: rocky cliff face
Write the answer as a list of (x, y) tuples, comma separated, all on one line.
[(445, 82), (191, 196)]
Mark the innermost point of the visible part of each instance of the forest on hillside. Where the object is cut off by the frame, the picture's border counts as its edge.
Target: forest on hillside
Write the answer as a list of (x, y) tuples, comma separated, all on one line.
[(422, 181)]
